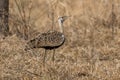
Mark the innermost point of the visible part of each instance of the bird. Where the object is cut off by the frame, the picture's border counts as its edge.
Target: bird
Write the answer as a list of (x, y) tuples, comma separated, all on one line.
[(51, 39)]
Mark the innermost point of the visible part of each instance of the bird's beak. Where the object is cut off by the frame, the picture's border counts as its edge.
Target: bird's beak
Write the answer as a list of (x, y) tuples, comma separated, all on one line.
[(67, 17)]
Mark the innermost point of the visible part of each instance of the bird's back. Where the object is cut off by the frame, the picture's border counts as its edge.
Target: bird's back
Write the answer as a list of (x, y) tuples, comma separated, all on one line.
[(49, 39)]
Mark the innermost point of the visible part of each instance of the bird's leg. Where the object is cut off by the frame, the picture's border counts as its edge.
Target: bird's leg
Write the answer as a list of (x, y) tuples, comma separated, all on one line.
[(44, 57), (53, 55)]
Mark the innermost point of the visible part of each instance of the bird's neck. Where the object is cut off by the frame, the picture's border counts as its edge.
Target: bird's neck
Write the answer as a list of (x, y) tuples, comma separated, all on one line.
[(61, 26)]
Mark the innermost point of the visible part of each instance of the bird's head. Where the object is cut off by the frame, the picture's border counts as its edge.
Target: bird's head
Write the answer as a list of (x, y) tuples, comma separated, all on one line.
[(62, 18)]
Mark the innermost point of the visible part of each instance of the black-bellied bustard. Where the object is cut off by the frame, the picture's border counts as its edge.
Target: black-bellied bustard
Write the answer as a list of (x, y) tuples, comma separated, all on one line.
[(49, 40)]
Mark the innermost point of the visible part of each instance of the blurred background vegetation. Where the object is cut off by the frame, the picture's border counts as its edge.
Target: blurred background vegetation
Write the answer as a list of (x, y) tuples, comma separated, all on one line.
[(91, 50)]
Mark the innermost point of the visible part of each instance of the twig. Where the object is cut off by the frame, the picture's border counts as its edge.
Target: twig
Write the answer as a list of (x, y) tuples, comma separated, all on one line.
[(33, 73)]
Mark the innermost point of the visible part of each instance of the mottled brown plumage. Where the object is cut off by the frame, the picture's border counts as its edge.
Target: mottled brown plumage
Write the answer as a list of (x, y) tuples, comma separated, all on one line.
[(51, 39)]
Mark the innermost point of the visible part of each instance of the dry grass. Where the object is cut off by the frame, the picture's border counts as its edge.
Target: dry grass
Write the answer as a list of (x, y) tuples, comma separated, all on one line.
[(91, 50)]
